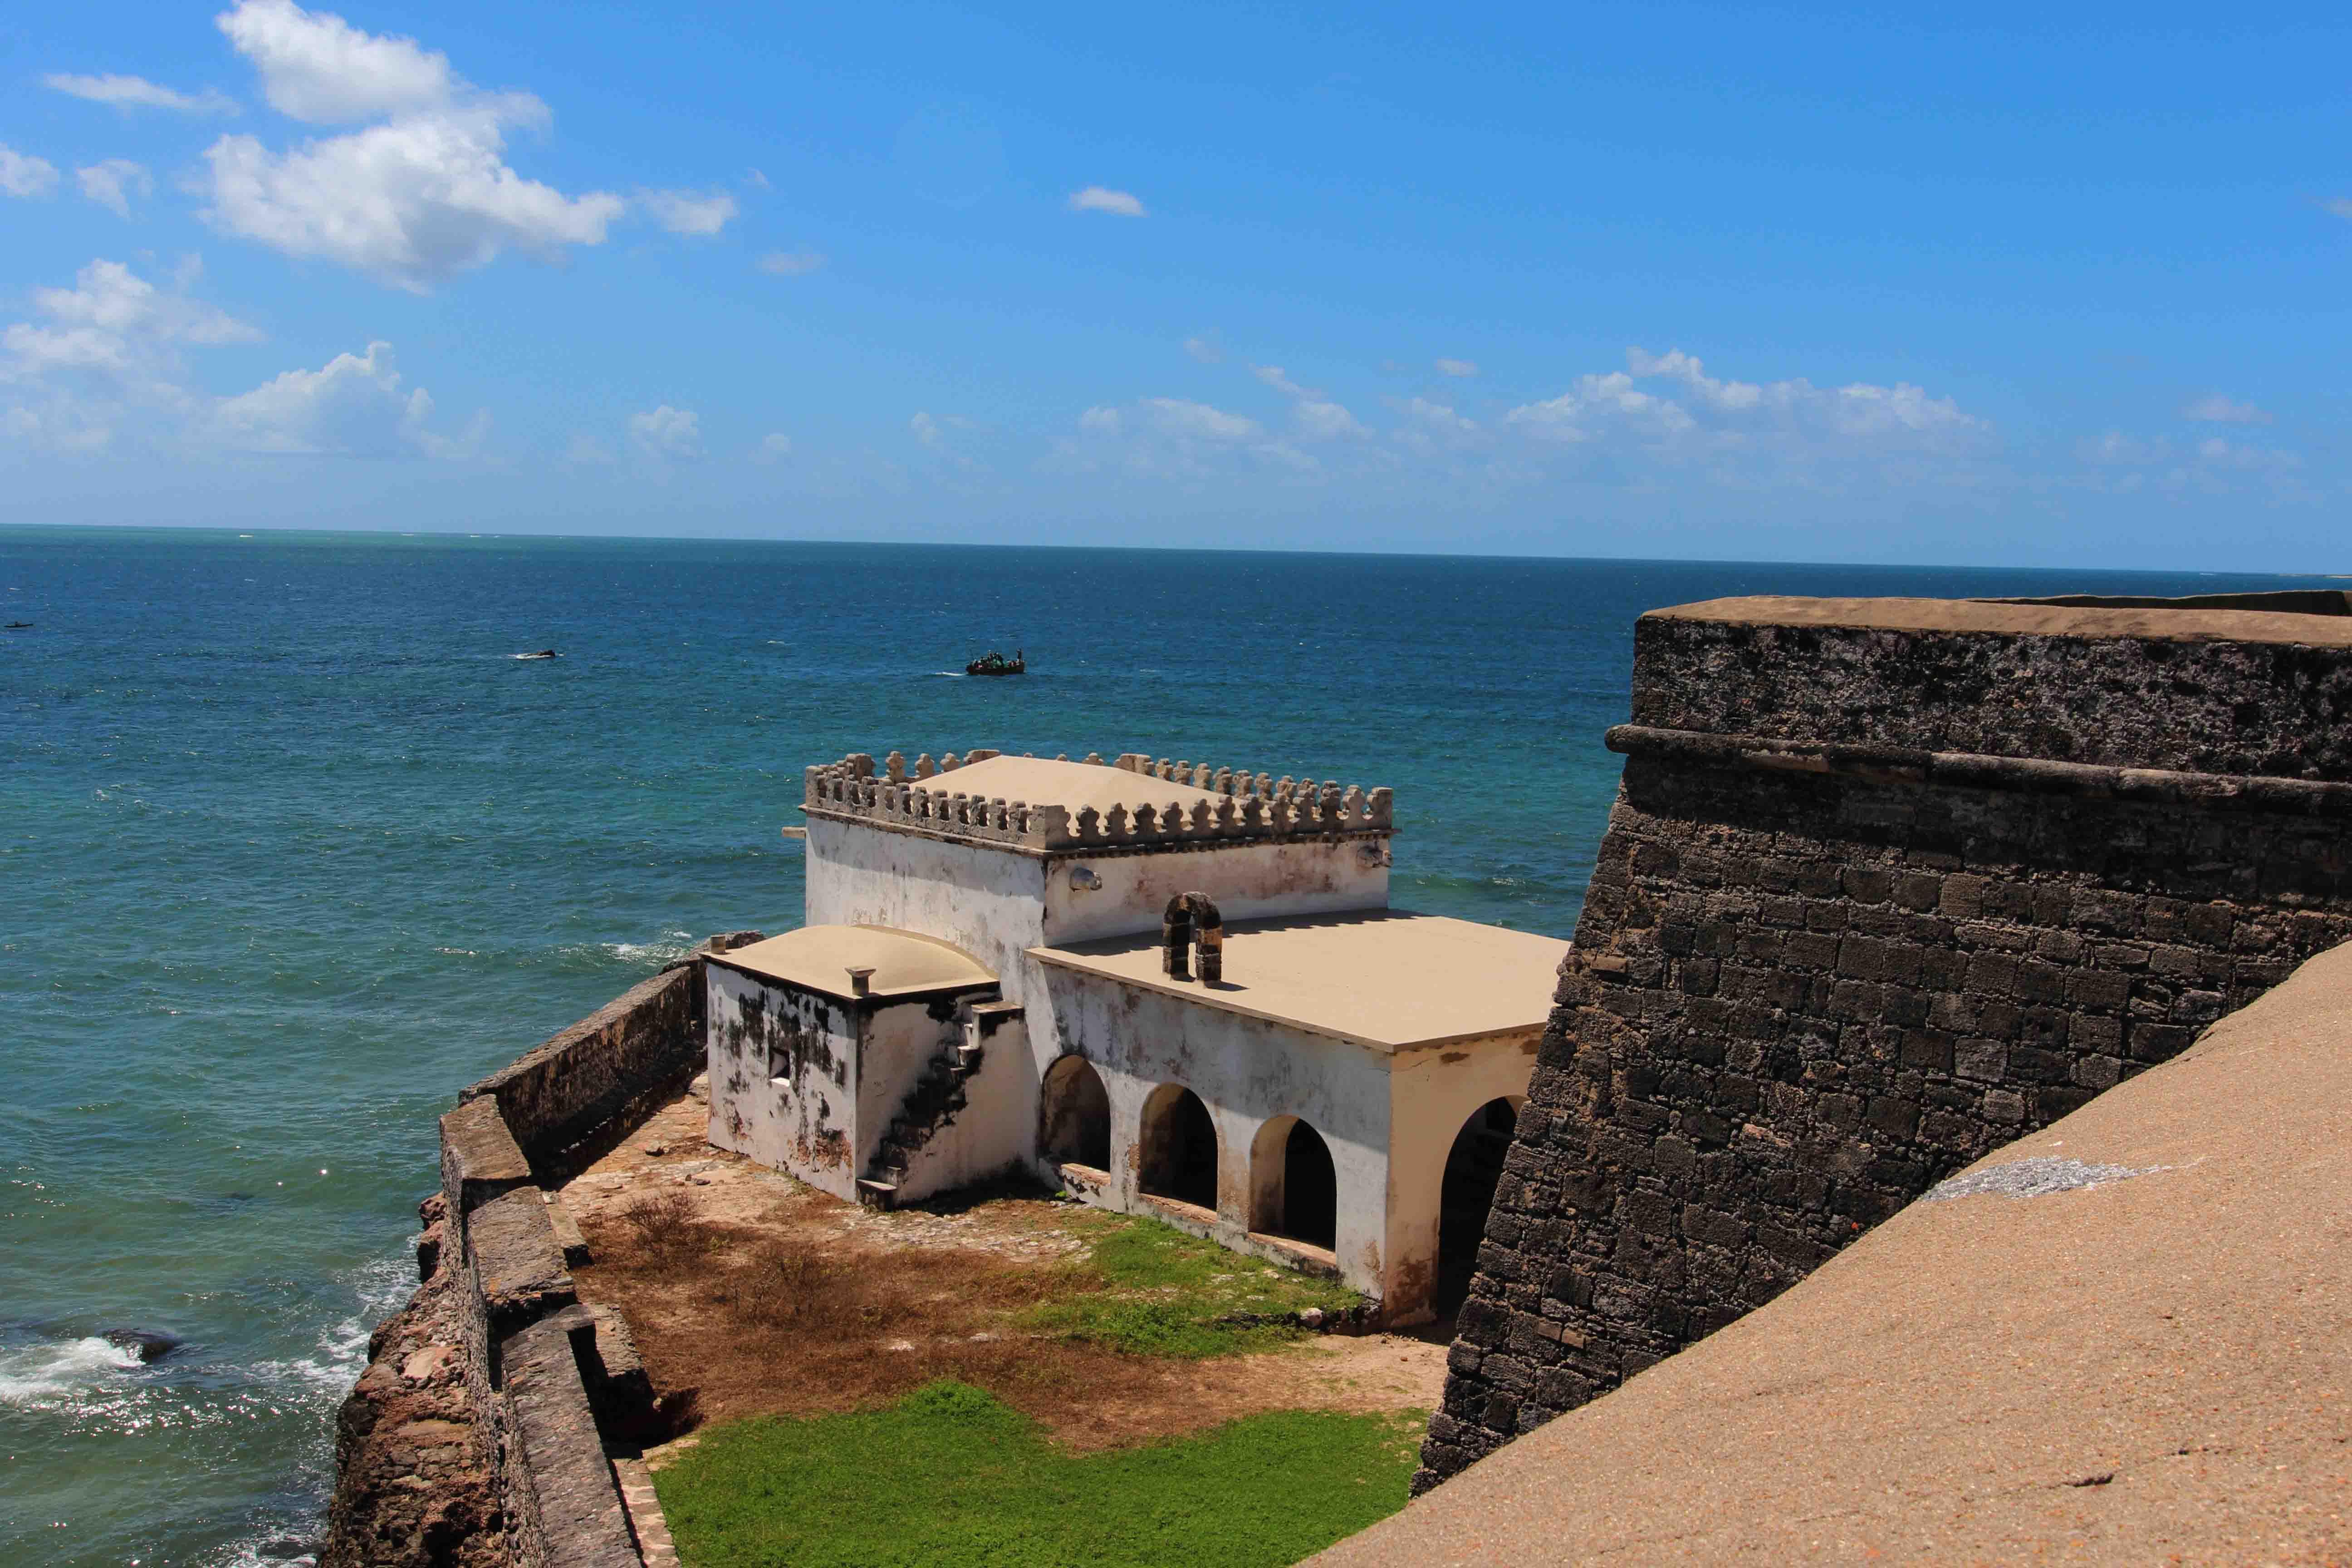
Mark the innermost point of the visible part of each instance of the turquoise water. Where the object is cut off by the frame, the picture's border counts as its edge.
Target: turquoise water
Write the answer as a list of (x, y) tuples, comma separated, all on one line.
[(292, 847)]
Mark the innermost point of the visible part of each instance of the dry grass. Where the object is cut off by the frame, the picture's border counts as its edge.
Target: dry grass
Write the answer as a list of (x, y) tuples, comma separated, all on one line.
[(661, 1228), (753, 1296)]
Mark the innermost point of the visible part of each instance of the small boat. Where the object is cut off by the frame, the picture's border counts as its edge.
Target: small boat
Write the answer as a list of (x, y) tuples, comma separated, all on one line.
[(543, 653), (997, 664), (20, 626)]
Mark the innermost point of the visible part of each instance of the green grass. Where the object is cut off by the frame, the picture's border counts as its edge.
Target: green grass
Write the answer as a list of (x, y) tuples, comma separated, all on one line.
[(952, 1478), (1158, 1291)]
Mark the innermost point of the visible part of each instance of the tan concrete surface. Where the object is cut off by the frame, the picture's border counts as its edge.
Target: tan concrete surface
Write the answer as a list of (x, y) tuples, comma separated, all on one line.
[(1389, 979), (2022, 620), (1042, 782), (2151, 1371), (819, 958)]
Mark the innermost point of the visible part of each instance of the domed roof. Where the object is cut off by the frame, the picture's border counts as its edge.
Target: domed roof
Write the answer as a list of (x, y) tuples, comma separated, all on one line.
[(901, 963)]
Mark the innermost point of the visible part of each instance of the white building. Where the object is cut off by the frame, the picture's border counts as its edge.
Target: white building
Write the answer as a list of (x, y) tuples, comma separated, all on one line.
[(1173, 990)]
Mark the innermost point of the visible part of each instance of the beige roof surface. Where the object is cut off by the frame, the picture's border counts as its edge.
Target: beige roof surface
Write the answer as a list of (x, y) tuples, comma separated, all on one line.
[(2184, 625), (819, 958), (2153, 1370), (1386, 978), (1072, 785)]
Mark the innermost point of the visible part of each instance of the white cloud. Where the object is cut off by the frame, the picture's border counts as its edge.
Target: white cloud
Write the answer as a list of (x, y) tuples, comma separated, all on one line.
[(115, 321), (690, 212), (669, 433), (774, 447), (1201, 421), (926, 428), (791, 263), (1177, 438), (113, 184), (354, 407), (1208, 350), (2116, 450), (1456, 367), (112, 346), (421, 196), (138, 92), (1320, 419), (1098, 199), (1434, 427), (1783, 432), (2122, 464), (1317, 416), (2220, 410), (587, 452), (321, 70), (756, 180), (22, 174)]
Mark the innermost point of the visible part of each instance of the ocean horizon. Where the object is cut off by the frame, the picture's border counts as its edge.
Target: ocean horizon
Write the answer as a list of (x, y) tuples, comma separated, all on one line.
[(300, 844)]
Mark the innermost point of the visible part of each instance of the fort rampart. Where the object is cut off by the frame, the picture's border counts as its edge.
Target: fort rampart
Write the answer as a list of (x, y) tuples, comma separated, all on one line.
[(478, 1435), (1887, 884)]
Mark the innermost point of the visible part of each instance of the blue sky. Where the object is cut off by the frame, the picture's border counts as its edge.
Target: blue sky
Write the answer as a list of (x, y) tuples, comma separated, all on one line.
[(2018, 285)]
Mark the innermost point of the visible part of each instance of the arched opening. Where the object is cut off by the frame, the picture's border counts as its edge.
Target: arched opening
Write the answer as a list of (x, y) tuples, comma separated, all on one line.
[(1178, 1147), (1294, 1190), (1471, 1169), (1076, 1115)]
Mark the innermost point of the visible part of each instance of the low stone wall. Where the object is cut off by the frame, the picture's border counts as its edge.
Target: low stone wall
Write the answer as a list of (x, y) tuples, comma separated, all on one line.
[(536, 1377), (612, 1066)]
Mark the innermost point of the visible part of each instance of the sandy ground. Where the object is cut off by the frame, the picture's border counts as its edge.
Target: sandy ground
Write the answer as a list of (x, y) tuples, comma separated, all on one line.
[(2148, 1364), (750, 1293)]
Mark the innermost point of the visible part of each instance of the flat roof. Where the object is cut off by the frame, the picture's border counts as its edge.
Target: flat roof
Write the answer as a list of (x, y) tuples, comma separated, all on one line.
[(1076, 786), (1389, 979), (2187, 620), (819, 958)]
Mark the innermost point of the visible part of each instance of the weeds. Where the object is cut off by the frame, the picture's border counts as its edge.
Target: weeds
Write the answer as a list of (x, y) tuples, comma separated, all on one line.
[(662, 1226), (1156, 1291)]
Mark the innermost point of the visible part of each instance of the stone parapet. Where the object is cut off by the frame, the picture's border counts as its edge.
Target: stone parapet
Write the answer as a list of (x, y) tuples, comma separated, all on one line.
[(645, 1043), (537, 1378), (2195, 689), (1250, 807), (1884, 889)]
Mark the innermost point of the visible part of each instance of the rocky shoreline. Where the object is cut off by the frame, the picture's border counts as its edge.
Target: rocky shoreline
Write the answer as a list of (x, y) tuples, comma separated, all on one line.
[(414, 1484)]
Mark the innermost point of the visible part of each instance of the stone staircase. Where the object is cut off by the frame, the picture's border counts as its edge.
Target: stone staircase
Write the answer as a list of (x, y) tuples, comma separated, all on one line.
[(931, 1105)]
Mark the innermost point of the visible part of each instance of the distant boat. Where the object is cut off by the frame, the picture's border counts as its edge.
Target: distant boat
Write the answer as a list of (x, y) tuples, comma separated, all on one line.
[(997, 664), (20, 626), (543, 653)]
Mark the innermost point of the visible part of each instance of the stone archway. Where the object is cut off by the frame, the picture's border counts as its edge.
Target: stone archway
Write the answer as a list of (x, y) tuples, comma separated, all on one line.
[(1073, 1119), (1293, 1188), (1471, 1169), (1178, 1148)]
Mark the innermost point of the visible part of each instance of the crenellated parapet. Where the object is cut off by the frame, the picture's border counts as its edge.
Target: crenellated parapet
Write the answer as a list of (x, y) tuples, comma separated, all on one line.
[(1240, 805)]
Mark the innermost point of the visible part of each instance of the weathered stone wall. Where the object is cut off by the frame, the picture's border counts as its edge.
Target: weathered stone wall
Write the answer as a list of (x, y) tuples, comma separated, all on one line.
[(474, 1435), (611, 1066), (1886, 887)]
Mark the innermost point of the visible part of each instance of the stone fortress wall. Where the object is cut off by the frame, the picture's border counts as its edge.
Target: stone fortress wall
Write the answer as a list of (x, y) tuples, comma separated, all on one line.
[(1887, 884), (499, 1460)]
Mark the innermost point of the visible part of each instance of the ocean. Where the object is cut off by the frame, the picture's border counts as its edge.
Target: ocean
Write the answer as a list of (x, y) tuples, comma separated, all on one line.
[(292, 847)]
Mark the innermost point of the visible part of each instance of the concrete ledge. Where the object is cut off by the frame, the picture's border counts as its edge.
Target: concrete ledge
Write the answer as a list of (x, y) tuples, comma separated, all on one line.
[(2145, 1359), (567, 1510), (517, 1264), (1970, 770), (479, 1157), (2195, 689)]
